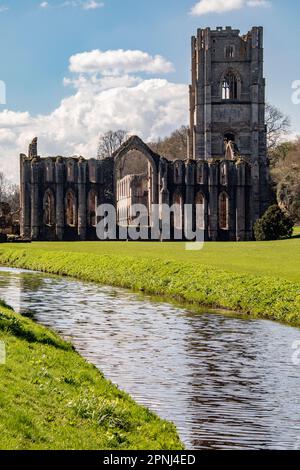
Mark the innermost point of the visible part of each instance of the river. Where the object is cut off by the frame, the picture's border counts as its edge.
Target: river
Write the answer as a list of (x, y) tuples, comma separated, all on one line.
[(226, 382)]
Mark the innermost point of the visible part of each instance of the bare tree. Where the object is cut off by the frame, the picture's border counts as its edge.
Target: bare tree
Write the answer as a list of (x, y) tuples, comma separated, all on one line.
[(9, 193), (110, 142), (2, 186), (278, 125), (13, 197), (286, 175)]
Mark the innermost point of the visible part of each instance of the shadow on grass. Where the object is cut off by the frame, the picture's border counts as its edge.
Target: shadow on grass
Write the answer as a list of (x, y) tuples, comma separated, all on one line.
[(10, 323)]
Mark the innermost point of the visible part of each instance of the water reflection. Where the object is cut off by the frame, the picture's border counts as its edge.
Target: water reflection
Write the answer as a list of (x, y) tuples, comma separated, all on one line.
[(227, 383)]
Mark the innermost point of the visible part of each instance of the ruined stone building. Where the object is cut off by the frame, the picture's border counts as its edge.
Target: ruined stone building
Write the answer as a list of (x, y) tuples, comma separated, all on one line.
[(227, 103), (225, 170)]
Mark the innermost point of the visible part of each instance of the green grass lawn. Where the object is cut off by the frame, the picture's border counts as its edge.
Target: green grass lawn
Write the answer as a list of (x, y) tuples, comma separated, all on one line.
[(261, 279), (277, 259), (51, 398), (297, 231)]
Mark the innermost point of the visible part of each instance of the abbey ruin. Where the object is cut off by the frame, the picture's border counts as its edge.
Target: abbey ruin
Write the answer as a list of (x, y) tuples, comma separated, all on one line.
[(225, 170)]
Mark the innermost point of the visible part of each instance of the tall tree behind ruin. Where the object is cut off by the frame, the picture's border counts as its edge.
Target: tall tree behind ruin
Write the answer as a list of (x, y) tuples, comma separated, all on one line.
[(173, 147), (278, 126), (9, 193), (284, 159), (286, 175), (110, 142), (2, 186)]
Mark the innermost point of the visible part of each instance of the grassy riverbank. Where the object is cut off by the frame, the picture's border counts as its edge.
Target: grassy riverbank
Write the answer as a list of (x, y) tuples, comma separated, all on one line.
[(51, 398), (262, 279)]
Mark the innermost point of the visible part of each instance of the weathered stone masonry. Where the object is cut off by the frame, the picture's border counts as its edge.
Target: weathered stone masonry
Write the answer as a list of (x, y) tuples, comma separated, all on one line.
[(225, 170), (227, 102), (60, 195)]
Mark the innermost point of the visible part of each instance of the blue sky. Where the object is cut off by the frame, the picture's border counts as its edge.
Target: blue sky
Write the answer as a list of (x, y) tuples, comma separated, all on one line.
[(37, 43)]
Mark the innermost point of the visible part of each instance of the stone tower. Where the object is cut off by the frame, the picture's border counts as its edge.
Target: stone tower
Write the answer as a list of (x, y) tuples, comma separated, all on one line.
[(227, 104)]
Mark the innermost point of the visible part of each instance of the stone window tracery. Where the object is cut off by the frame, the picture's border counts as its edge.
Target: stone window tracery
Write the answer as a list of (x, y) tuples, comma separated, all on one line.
[(71, 209), (178, 211), (223, 211), (200, 211), (92, 208), (49, 208), (229, 52), (230, 87)]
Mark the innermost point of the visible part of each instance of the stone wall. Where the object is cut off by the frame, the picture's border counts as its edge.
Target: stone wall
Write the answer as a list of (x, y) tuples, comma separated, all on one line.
[(59, 195)]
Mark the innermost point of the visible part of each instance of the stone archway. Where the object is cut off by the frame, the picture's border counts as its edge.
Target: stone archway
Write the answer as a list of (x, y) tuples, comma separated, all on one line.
[(71, 208), (135, 179)]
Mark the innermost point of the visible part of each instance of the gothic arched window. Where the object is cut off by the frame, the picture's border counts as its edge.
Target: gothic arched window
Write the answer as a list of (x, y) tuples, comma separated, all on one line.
[(49, 171), (178, 173), (92, 208), (93, 171), (200, 172), (71, 209), (230, 87), (49, 208), (224, 174), (70, 171), (178, 212), (200, 211), (223, 211), (229, 52)]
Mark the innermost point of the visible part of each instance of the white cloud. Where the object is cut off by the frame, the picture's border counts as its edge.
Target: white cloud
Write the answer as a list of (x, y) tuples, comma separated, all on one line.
[(7, 136), (12, 118), (92, 5), (3, 8), (118, 62), (258, 3), (102, 83), (204, 7), (83, 4), (151, 108)]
